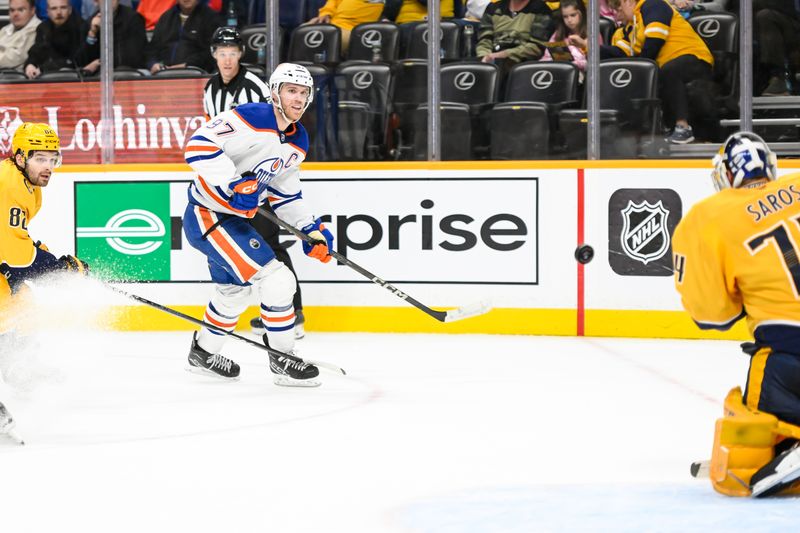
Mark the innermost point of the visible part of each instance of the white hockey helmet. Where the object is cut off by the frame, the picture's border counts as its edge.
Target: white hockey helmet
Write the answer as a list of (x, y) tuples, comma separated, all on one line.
[(290, 73), (743, 156)]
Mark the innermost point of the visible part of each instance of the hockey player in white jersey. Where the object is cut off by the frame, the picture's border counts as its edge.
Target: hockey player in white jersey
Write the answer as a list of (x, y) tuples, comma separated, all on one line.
[(244, 158)]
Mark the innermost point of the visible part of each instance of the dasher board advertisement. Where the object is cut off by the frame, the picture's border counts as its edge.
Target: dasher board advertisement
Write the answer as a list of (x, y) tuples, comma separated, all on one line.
[(444, 231)]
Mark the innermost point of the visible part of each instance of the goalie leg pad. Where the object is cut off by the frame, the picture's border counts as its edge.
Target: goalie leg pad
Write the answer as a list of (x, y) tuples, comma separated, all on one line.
[(744, 441)]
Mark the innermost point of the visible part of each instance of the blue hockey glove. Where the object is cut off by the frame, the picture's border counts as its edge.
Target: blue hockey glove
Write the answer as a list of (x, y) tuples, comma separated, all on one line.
[(245, 192), (322, 242)]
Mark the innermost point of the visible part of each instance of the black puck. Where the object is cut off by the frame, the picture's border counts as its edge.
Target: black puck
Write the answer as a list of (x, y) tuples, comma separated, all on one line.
[(584, 253)]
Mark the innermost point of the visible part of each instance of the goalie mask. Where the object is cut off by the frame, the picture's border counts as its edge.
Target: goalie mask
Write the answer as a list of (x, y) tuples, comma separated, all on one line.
[(290, 73), (743, 156)]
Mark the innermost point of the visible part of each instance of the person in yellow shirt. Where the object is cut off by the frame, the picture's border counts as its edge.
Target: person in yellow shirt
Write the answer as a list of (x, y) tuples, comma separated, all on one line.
[(655, 30), (735, 256), (404, 11), (35, 154), (347, 14)]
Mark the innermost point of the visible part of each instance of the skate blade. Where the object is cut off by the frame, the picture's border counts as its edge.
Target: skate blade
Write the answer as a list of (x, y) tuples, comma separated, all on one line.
[(286, 381), (11, 433), (15, 437), (203, 372), (776, 483)]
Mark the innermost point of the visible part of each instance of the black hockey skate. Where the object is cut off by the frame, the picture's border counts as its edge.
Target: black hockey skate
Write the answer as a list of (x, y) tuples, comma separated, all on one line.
[(291, 371), (778, 474), (257, 326), (211, 364)]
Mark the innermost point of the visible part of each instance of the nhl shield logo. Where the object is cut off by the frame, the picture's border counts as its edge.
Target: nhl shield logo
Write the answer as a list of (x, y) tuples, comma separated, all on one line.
[(9, 122), (645, 234)]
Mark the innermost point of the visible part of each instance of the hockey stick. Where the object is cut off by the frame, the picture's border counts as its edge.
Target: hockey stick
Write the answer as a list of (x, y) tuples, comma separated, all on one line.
[(478, 308), (700, 469), (218, 329)]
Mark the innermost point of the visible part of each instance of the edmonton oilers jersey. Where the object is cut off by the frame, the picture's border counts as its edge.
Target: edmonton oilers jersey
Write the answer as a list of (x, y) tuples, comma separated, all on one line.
[(244, 139)]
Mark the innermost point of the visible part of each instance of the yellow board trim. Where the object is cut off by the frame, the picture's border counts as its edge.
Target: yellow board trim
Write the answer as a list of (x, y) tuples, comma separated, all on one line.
[(654, 324), (562, 322)]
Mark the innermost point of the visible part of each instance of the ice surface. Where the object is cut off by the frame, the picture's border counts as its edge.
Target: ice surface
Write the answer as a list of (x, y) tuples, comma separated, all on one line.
[(427, 433)]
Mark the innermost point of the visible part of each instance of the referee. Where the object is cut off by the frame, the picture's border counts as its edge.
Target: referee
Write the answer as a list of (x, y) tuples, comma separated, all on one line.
[(230, 86)]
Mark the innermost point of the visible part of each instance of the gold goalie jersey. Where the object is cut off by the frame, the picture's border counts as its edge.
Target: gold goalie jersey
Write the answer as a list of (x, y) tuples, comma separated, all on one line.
[(736, 253), (19, 203)]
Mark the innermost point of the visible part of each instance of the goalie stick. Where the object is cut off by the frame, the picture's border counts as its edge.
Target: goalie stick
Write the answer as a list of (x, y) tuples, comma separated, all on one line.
[(272, 351), (475, 309), (700, 469)]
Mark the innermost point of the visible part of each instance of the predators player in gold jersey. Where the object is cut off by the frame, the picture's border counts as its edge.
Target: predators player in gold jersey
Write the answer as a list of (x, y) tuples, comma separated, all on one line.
[(736, 256), (35, 154)]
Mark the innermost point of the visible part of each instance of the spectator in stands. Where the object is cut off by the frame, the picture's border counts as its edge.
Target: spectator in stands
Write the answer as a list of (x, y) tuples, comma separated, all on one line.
[(130, 39), (777, 31), (17, 37), (42, 13), (476, 9), (653, 29), (686, 7), (90, 7), (152, 10), (512, 31), (58, 40), (568, 42), (346, 15), (405, 11), (183, 37)]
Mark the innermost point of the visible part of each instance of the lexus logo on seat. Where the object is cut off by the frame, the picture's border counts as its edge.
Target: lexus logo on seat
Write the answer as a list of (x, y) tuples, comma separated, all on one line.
[(542, 79), (314, 39), (362, 79), (464, 81), (257, 41), (708, 28), (425, 36), (621, 77), (371, 38)]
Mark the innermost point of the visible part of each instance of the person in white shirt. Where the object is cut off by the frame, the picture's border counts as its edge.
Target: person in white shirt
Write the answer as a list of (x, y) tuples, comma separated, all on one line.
[(17, 37)]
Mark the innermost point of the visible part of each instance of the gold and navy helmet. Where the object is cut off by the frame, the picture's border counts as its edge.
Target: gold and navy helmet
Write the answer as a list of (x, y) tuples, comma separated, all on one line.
[(743, 156), (32, 136)]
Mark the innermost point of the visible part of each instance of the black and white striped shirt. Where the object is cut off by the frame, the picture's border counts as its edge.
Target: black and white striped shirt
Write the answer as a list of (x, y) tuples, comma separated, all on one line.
[(244, 88)]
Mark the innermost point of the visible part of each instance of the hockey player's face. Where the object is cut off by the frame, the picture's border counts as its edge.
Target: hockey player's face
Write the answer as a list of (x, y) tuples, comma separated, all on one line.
[(39, 167), (293, 99)]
